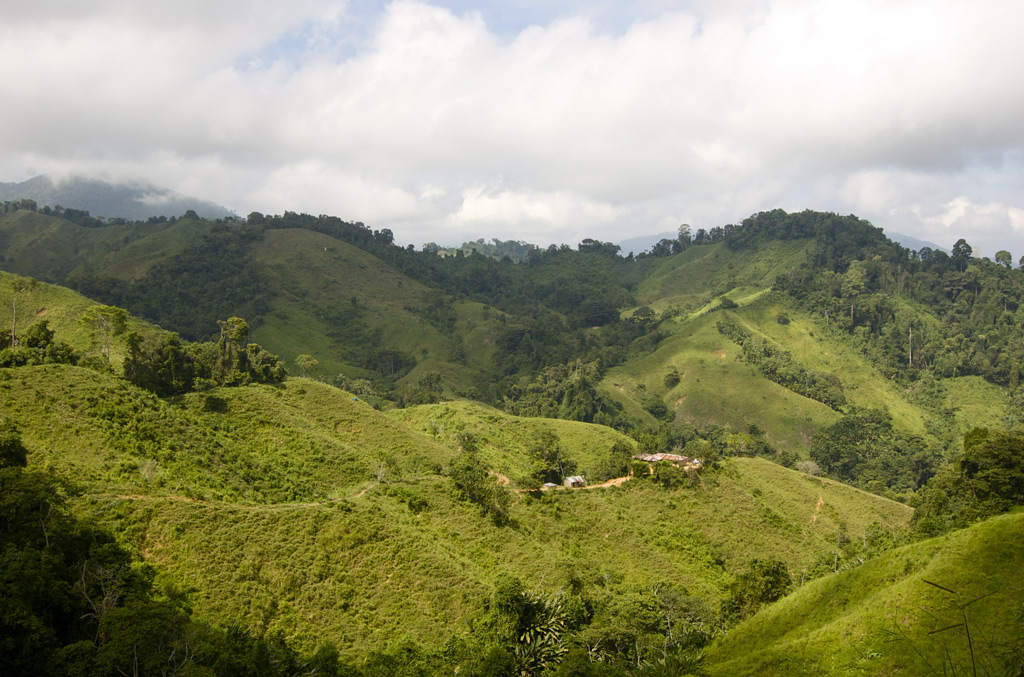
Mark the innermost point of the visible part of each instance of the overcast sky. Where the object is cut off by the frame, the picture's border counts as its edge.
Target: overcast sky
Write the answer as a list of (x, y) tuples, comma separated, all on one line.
[(547, 120)]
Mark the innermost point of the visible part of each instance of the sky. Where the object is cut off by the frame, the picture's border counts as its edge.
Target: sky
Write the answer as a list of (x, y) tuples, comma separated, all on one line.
[(545, 121)]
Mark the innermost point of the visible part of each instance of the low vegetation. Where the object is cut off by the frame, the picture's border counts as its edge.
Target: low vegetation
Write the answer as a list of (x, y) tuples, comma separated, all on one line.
[(389, 497)]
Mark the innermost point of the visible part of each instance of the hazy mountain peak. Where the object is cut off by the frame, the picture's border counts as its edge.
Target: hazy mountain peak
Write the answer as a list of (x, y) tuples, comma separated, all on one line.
[(128, 200)]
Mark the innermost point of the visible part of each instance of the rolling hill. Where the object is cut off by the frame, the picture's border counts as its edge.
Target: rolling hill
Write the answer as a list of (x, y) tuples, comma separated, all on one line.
[(947, 605), (265, 498), (297, 509)]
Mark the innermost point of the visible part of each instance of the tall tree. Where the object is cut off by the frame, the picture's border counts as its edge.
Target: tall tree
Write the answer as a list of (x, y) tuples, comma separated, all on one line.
[(105, 322), (306, 363), (962, 253)]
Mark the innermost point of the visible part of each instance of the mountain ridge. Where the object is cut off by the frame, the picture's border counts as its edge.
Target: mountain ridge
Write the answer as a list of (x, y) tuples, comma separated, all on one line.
[(134, 201)]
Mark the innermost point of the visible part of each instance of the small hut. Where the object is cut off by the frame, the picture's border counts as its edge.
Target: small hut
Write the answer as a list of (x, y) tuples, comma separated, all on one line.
[(575, 482)]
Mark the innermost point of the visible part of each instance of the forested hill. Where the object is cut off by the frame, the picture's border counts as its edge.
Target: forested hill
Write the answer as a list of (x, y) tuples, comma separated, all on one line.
[(367, 309)]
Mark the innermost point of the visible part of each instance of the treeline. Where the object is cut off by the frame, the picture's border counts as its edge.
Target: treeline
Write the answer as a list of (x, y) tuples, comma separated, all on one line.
[(82, 217), (778, 365), (157, 361), (163, 364), (516, 250)]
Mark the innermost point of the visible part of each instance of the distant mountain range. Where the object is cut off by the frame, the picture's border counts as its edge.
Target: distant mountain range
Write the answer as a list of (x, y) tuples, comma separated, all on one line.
[(913, 243), (644, 243), (134, 201)]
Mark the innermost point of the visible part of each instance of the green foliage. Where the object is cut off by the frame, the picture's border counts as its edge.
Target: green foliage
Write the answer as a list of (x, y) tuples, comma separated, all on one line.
[(987, 480), (306, 363), (764, 581), (12, 452), (162, 364), (565, 391), (212, 278), (77, 603), (36, 346), (477, 486), (863, 448), (159, 363), (549, 460), (309, 554), (105, 322)]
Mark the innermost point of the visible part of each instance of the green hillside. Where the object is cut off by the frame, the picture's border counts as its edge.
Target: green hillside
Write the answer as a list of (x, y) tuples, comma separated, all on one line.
[(60, 308), (695, 277), (297, 441), (266, 499), (504, 441), (403, 516), (410, 557), (948, 605)]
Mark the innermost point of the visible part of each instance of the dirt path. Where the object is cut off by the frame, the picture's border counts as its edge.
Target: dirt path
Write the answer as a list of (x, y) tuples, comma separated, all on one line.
[(503, 480), (817, 508), (617, 482)]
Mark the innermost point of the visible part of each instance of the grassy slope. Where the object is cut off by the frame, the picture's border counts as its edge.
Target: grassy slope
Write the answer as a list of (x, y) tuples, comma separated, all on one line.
[(234, 491), (314, 273), (718, 388), (60, 307), (160, 241), (505, 440), (47, 247), (369, 569), (699, 274), (877, 619), (300, 441)]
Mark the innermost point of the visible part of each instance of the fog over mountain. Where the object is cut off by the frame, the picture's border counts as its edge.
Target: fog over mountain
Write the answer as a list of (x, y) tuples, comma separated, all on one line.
[(133, 201)]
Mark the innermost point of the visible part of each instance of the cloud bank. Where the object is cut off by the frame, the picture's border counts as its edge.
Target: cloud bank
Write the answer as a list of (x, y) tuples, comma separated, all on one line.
[(443, 123)]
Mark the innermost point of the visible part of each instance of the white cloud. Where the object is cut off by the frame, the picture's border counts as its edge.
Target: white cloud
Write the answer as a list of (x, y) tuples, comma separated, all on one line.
[(433, 123)]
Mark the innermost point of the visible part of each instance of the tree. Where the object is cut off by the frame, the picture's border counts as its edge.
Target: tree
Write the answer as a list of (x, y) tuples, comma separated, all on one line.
[(471, 478), (1004, 258), (306, 363), (19, 285), (12, 453), (159, 363), (381, 463), (550, 464), (854, 284), (962, 253), (684, 235), (764, 581), (233, 333), (988, 480), (104, 321)]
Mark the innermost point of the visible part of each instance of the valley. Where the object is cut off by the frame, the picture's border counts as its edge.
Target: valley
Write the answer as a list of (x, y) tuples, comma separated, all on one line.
[(378, 510)]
